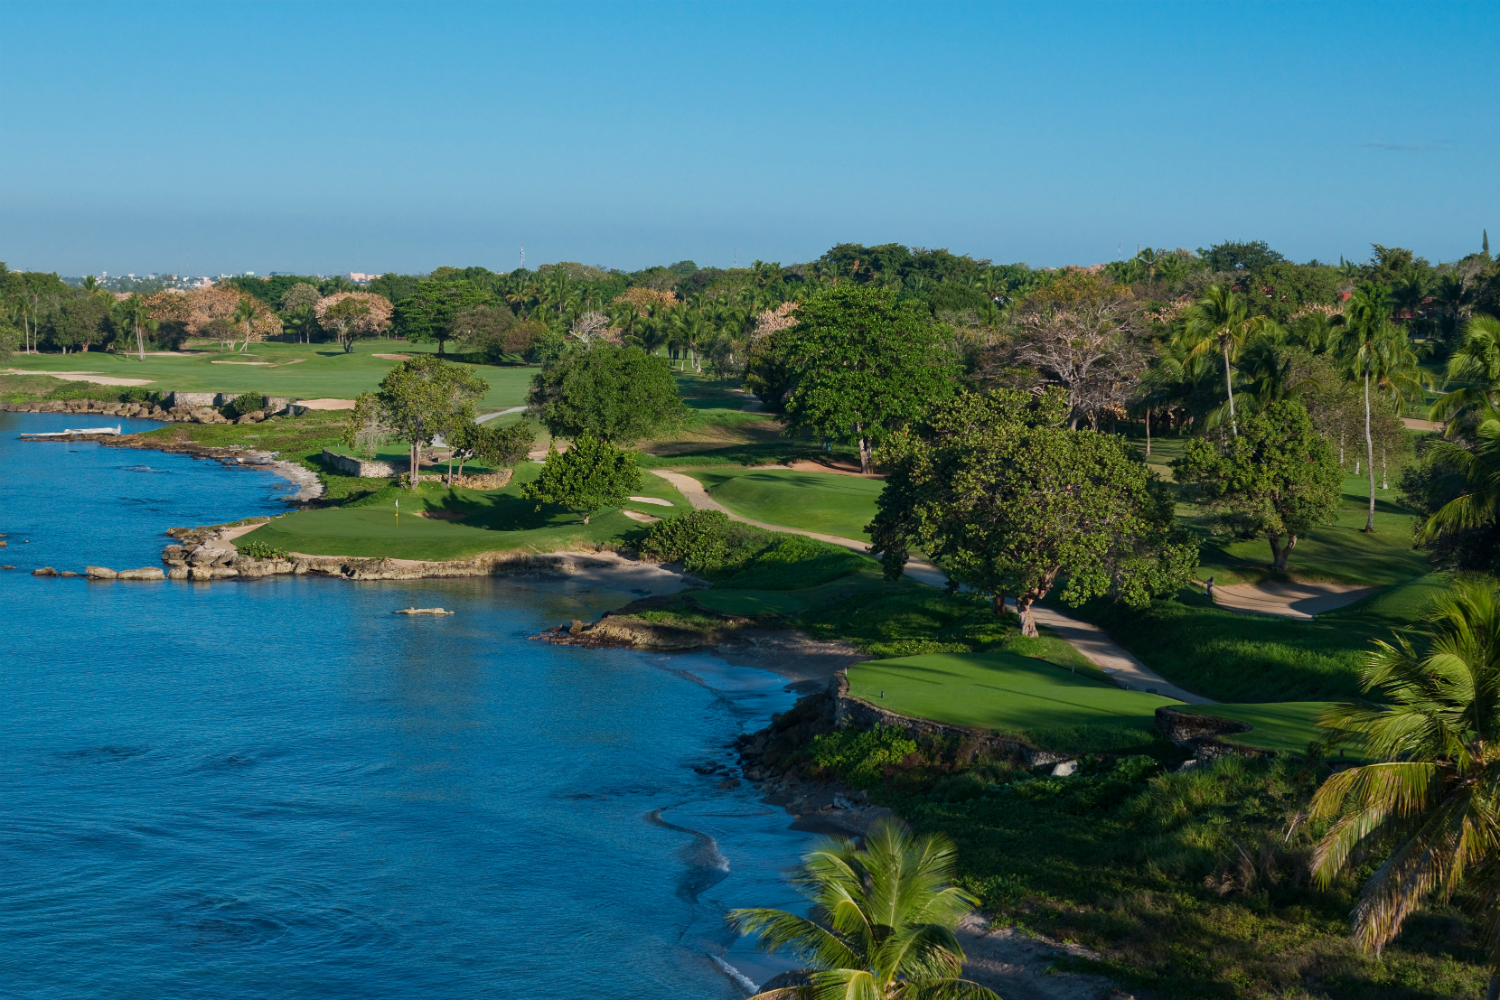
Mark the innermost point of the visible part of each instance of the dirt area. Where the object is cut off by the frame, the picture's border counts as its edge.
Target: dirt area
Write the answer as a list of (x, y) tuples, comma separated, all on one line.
[(836, 467), (393, 357), (327, 404), (1016, 965)]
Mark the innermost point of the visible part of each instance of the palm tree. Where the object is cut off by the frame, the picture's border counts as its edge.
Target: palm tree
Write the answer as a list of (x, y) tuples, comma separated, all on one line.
[(1475, 361), (244, 313), (1219, 319), (1479, 469), (1432, 807), (135, 316), (882, 923), (1369, 320)]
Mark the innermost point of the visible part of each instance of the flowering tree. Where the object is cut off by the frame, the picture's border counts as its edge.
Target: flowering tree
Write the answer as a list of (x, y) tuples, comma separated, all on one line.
[(348, 315), (205, 305)]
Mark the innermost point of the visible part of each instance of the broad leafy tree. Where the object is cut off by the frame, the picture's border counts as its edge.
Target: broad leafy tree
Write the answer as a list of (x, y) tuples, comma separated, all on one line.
[(424, 397), (428, 314), (1277, 480), (859, 364), (1007, 502), (495, 446), (617, 394), (590, 475), (881, 924), (1426, 816), (348, 315)]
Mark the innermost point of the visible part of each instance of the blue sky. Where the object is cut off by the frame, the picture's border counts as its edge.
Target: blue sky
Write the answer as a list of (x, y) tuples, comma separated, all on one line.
[(203, 138)]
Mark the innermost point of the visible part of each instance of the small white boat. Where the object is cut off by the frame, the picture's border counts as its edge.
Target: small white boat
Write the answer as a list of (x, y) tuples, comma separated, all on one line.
[(77, 430)]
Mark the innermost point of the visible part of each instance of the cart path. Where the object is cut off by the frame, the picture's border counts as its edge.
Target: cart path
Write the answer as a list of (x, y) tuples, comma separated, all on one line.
[(1091, 641)]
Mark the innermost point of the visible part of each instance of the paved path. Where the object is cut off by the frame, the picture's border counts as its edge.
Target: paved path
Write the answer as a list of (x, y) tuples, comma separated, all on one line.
[(1092, 642), (918, 569), (498, 413), (1109, 656), (1287, 599)]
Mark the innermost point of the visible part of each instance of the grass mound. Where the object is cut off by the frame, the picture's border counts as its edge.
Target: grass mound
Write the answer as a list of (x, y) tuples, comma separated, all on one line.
[(1006, 693), (825, 502)]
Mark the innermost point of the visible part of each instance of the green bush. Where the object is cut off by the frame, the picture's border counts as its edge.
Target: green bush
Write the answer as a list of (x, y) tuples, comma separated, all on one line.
[(246, 402), (766, 560), (695, 539), (136, 394), (862, 758), (259, 550)]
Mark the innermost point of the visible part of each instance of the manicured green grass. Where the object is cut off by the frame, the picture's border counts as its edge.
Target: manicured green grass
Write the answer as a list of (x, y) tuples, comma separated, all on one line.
[(324, 371), (497, 520), (1008, 693), (1395, 606), (1342, 551), (1287, 726), (825, 502)]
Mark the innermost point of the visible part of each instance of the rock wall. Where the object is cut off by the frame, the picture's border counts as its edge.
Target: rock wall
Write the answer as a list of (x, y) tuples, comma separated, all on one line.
[(365, 470), (973, 744), (1203, 734)]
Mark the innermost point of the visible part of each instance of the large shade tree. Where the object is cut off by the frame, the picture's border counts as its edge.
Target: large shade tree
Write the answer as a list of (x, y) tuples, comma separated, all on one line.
[(1277, 480), (350, 315), (859, 364), (618, 394), (1007, 502), (424, 397), (428, 314), (590, 475)]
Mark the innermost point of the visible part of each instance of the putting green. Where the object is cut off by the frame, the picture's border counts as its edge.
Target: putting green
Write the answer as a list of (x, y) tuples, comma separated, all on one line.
[(307, 371), (491, 521), (825, 502), (1008, 693)]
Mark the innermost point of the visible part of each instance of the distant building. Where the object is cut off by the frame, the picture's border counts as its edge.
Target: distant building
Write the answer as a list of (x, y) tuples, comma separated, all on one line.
[(360, 278)]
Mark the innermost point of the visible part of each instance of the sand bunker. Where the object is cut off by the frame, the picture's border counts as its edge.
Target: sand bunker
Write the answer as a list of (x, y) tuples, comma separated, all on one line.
[(1288, 599), (327, 404), (94, 377)]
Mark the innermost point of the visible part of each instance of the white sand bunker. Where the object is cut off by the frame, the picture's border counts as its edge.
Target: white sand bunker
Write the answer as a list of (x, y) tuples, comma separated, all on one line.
[(94, 377), (655, 500), (1289, 599), (327, 404)]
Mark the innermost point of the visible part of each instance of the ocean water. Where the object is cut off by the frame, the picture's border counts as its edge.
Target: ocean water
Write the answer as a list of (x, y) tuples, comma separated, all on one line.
[(278, 788)]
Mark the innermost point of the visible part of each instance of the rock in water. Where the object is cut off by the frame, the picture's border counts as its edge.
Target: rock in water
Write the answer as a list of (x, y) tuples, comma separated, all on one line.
[(422, 611), (144, 573), (44, 571), (99, 573)]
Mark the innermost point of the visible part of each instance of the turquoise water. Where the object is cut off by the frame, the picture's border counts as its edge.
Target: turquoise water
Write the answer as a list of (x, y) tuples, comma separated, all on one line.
[(277, 788)]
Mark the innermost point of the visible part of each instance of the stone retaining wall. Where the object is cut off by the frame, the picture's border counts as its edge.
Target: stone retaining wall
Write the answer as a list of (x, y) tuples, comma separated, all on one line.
[(972, 743), (363, 469), (1203, 734)]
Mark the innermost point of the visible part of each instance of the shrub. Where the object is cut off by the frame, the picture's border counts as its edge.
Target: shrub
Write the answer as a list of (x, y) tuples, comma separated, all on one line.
[(259, 550), (135, 394), (246, 402), (696, 539), (862, 757)]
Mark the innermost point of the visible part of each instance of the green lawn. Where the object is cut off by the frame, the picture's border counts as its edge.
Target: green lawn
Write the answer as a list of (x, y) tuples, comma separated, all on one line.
[(813, 501), (324, 371), (1341, 551), (1009, 693), (492, 521), (1287, 726)]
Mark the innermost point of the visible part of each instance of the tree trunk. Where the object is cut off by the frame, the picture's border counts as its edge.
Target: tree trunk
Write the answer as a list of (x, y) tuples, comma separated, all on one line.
[(1384, 482), (1494, 991), (1280, 553), (1148, 433), (450, 471), (1369, 452), (416, 465), (586, 519), (1028, 621), (1229, 387), (997, 603), (140, 342), (864, 450)]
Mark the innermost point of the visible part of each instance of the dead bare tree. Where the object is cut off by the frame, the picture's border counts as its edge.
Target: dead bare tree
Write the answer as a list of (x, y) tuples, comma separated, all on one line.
[(1086, 345)]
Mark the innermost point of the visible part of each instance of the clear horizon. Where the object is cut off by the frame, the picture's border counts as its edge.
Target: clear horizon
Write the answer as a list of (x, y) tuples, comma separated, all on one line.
[(207, 139)]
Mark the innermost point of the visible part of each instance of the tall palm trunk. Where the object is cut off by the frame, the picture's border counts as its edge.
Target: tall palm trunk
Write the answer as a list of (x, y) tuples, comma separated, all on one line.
[(1369, 452), (140, 342), (1229, 387), (1148, 433)]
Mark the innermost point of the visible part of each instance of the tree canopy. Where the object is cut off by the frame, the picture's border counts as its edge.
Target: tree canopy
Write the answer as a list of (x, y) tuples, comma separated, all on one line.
[(1007, 503), (858, 364), (427, 396), (590, 475), (617, 394), (1276, 480)]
